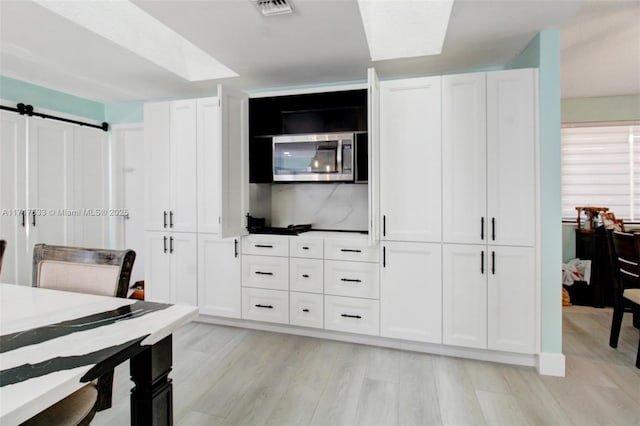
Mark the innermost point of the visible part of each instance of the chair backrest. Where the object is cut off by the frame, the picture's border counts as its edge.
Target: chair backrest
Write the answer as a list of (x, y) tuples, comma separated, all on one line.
[(626, 248), (3, 246), (83, 270)]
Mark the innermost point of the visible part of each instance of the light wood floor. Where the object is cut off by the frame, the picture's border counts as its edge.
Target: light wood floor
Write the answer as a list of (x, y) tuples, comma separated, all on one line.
[(231, 376)]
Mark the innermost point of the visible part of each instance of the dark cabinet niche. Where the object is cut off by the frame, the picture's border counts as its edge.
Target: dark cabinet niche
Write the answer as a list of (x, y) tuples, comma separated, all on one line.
[(296, 114)]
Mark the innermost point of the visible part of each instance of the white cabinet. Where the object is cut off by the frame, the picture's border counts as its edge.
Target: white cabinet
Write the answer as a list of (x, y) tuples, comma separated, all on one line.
[(411, 291), (352, 279), (265, 272), (489, 158), (306, 309), (489, 297), (352, 315), (511, 136), (464, 295), (410, 159), (171, 267), (464, 158), (306, 275), (373, 130), (265, 305), (511, 299), (219, 276), (170, 160), (222, 160)]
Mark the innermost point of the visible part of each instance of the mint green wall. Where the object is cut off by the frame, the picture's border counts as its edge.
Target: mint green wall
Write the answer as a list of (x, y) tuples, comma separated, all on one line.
[(124, 112), (544, 52), (41, 97), (606, 108)]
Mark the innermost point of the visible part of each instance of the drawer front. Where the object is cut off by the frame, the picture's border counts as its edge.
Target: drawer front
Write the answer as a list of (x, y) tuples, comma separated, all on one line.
[(306, 275), (352, 279), (266, 245), (353, 250), (265, 305), (352, 315), (310, 248), (265, 272), (306, 309)]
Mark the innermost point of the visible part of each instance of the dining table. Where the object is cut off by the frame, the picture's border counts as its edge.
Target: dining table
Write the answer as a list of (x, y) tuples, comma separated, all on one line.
[(53, 342)]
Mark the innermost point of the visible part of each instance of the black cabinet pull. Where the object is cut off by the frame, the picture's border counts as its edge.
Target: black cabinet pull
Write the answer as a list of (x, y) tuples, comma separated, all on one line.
[(235, 248), (349, 280), (351, 250), (384, 225), (264, 306), (482, 228), (170, 244), (305, 275), (493, 228), (384, 257), (24, 219), (33, 218), (264, 273), (170, 219), (305, 310), (350, 316), (482, 262), (493, 262), (305, 248), (165, 244), (165, 219), (263, 246)]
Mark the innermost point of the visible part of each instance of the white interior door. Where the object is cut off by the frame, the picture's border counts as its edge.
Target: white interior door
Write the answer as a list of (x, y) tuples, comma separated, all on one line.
[(128, 197), (13, 164)]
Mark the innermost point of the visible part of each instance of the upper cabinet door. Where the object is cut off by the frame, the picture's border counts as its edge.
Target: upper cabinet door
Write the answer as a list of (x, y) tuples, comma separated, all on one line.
[(511, 144), (156, 166), (373, 129), (234, 162), (182, 214), (464, 158), (209, 165), (410, 159)]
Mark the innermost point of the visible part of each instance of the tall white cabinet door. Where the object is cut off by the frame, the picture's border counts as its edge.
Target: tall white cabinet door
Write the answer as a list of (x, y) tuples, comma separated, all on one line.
[(410, 159), (91, 187), (373, 130), (50, 177), (411, 291), (157, 166), (183, 252), (511, 299), (157, 267), (219, 287), (182, 186), (464, 295), (234, 162), (13, 164), (209, 161), (511, 137), (464, 158)]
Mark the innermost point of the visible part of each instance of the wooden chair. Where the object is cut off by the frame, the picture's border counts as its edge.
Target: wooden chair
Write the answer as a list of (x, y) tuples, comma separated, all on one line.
[(83, 270), (3, 246), (626, 258)]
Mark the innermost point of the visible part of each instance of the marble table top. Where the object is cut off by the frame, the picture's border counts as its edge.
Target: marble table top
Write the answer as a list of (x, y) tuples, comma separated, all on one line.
[(50, 341)]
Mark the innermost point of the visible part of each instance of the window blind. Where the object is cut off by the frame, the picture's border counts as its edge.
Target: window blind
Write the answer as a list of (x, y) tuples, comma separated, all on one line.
[(601, 167)]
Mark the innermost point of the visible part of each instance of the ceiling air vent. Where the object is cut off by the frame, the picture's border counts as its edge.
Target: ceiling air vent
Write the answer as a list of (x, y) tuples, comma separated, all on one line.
[(273, 7)]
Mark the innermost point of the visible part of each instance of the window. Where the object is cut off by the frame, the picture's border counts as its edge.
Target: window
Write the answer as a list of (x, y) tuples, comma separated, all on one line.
[(601, 167)]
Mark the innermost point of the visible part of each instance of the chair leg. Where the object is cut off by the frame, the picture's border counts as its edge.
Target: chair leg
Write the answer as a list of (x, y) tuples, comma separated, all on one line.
[(105, 390), (616, 324)]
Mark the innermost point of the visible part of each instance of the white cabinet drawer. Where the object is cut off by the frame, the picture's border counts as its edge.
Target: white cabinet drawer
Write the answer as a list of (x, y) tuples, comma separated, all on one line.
[(306, 275), (265, 272), (266, 245), (306, 309), (352, 315), (352, 279), (265, 305), (311, 248), (347, 249)]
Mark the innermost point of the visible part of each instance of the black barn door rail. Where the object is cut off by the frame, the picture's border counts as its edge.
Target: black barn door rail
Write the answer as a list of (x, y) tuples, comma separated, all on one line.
[(23, 109)]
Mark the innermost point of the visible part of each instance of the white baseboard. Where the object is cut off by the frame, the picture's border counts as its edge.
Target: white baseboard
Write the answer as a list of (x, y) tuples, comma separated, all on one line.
[(430, 348), (551, 364)]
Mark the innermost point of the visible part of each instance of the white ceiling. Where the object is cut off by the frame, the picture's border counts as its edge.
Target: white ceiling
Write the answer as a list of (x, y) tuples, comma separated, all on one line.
[(323, 41)]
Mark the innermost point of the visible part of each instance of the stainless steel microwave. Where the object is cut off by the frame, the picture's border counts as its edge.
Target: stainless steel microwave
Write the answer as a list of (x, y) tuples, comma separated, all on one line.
[(318, 157)]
